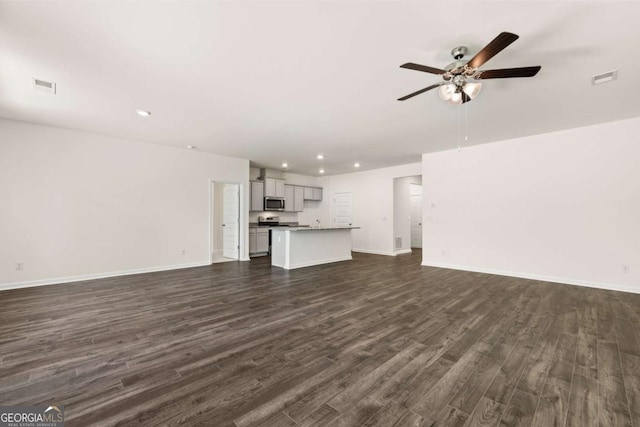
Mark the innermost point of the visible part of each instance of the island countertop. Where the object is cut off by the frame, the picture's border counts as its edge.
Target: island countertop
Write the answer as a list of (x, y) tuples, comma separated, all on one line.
[(335, 227)]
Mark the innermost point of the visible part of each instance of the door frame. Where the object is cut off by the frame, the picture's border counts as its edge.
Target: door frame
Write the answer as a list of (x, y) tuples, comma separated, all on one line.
[(411, 196), (242, 227)]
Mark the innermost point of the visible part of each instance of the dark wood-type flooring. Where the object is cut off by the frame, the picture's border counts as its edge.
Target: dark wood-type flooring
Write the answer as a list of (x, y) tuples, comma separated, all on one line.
[(378, 341)]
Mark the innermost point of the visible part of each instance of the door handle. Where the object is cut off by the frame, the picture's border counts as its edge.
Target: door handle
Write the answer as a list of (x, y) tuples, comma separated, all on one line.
[(224, 225), (419, 223)]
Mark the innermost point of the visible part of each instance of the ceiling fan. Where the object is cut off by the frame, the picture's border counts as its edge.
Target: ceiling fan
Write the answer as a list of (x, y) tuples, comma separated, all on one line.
[(458, 86)]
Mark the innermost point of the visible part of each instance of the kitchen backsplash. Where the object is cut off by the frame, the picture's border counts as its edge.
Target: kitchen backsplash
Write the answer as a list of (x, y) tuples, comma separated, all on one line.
[(284, 216)]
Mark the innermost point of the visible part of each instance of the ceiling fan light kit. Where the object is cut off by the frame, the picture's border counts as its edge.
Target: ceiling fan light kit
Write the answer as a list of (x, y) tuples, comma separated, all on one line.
[(459, 85)]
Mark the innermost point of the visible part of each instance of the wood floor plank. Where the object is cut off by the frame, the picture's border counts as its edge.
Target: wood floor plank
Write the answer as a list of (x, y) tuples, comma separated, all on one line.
[(520, 410), (450, 417), (613, 407), (507, 377), (321, 417), (377, 341), (535, 372), (475, 387), (429, 405), (627, 340), (487, 413), (583, 403), (553, 404), (631, 376)]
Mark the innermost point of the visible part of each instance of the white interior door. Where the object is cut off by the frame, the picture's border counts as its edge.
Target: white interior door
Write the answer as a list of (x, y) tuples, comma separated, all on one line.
[(343, 208), (416, 217), (231, 221)]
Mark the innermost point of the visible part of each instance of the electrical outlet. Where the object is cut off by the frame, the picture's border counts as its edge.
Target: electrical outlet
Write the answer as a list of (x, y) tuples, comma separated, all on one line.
[(20, 266), (183, 251), (443, 252), (625, 269)]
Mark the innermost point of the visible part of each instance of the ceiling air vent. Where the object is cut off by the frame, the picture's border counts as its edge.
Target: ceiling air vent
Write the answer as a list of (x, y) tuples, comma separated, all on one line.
[(44, 86), (610, 76)]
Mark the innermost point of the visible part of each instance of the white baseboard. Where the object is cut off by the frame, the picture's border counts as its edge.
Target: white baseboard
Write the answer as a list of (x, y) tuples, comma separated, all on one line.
[(310, 264), (401, 251), (81, 278), (367, 251), (542, 278)]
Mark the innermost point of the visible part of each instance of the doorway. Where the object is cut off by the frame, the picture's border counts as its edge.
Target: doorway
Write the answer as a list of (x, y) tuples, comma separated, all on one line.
[(225, 230), (415, 191), (407, 214)]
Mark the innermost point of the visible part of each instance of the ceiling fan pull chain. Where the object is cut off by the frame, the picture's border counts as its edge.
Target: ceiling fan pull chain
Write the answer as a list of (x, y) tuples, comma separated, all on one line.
[(466, 123), (459, 126)]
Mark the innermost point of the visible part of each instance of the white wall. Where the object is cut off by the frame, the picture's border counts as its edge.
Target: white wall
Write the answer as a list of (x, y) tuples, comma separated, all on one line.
[(402, 210), (78, 205), (373, 207), (562, 206)]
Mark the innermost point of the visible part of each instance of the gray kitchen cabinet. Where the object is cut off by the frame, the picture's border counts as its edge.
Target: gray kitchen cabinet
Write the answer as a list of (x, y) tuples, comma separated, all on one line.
[(317, 194), (298, 199), (273, 187), (308, 193), (253, 242), (313, 193), (258, 241), (257, 196), (289, 198), (293, 198), (262, 240)]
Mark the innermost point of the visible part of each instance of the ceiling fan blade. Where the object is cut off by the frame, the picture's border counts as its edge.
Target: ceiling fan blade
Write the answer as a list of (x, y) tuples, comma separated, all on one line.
[(492, 49), (506, 73), (418, 67), (411, 95)]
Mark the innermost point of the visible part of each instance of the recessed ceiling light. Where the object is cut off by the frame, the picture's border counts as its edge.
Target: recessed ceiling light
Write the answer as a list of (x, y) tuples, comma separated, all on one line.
[(320, 157), (321, 171), (191, 147), (143, 113), (284, 165), (356, 165)]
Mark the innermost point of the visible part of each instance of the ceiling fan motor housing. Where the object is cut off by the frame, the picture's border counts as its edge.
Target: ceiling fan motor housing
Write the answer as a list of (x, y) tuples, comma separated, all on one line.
[(459, 52)]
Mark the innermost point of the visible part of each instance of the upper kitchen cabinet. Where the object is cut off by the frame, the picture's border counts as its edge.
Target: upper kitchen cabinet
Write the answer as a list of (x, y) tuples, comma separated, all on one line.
[(257, 195), (298, 200), (293, 198), (317, 194), (274, 187), (289, 198), (313, 193)]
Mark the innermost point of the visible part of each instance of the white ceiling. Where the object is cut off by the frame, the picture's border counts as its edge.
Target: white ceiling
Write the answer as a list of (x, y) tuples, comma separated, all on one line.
[(282, 81)]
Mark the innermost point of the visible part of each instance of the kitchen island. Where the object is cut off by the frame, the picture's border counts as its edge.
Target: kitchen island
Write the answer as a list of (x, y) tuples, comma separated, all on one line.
[(295, 247)]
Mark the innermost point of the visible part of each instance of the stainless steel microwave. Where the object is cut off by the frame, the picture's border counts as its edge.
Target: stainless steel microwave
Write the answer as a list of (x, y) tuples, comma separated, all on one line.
[(273, 204)]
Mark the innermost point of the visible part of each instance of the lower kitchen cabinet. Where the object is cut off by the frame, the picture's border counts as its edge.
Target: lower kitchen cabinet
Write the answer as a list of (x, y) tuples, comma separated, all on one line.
[(253, 243), (258, 241), (262, 240)]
